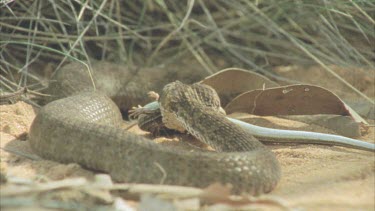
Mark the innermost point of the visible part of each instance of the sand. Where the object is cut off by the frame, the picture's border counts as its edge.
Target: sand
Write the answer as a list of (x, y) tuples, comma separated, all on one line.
[(313, 177)]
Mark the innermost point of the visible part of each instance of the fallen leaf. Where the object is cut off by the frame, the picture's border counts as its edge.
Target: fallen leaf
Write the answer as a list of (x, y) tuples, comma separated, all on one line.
[(361, 78), (288, 100), (231, 82)]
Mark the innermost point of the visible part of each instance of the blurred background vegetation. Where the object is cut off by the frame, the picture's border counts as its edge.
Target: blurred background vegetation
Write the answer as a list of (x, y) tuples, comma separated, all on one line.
[(252, 34)]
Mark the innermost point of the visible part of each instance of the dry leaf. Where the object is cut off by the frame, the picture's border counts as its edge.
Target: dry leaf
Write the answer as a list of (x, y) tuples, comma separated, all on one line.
[(288, 100), (360, 77), (231, 82)]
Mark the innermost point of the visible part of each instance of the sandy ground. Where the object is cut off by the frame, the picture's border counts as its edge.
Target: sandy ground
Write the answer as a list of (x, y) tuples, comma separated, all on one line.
[(313, 177)]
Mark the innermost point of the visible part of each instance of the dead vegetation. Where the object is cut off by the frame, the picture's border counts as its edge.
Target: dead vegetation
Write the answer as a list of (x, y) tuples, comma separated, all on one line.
[(257, 35)]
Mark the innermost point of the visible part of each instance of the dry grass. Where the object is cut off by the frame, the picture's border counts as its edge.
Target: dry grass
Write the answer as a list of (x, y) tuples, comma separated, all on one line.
[(251, 34)]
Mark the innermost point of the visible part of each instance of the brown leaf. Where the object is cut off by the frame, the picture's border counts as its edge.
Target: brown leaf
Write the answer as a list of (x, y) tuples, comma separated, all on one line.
[(231, 82), (361, 78), (288, 100)]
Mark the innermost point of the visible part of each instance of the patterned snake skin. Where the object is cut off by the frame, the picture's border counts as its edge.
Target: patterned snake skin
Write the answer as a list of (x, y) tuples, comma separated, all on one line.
[(85, 129)]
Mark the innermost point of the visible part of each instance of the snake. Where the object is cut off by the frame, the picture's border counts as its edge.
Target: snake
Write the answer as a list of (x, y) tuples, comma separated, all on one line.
[(84, 127)]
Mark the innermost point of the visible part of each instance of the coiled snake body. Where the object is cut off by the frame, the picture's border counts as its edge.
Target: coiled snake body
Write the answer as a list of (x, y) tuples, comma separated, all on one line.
[(84, 128)]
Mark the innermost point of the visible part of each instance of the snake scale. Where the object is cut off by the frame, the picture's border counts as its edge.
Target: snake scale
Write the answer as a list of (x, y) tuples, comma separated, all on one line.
[(85, 128)]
